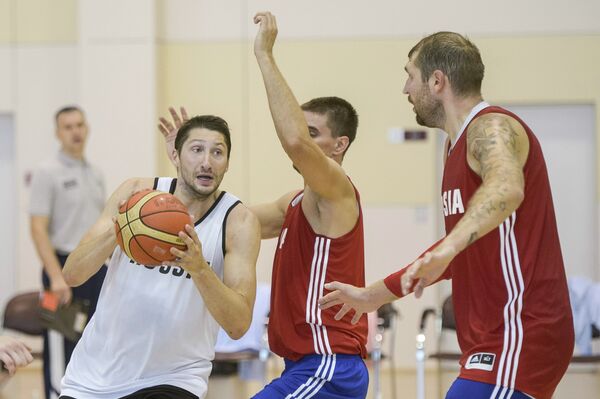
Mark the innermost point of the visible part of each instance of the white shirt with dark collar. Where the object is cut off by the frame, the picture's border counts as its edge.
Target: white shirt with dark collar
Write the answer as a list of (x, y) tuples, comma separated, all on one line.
[(71, 193)]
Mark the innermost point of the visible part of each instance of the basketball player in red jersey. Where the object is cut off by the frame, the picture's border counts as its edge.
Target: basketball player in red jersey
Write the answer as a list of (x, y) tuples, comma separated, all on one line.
[(502, 251), (320, 239), (320, 230)]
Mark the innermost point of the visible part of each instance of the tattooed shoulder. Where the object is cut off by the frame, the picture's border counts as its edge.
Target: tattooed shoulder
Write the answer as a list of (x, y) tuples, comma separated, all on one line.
[(488, 132)]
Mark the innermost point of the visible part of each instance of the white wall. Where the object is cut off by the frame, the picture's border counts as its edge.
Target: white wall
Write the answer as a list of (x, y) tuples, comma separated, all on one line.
[(231, 19), (46, 79), (118, 85), (110, 71), (8, 199)]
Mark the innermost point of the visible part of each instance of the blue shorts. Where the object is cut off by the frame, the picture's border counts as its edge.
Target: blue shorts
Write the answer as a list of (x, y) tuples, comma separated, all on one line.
[(320, 376), (467, 389)]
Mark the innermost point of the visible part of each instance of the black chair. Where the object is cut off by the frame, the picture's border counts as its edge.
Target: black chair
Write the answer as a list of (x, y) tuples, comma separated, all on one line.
[(22, 314)]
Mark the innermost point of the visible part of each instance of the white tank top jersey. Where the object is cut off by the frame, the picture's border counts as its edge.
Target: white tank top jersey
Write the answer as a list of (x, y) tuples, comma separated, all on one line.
[(151, 326)]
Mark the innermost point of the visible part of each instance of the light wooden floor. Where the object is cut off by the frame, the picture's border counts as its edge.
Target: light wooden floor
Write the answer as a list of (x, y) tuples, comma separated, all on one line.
[(578, 383)]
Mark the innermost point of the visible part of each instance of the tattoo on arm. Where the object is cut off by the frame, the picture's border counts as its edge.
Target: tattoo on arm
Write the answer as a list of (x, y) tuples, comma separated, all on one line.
[(473, 238), (493, 143)]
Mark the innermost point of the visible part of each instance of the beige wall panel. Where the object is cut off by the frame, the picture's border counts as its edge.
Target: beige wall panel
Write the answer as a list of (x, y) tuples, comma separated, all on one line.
[(201, 20), (116, 21), (40, 92), (7, 75), (384, 172), (543, 70), (41, 21), (394, 237), (118, 94), (209, 79), (370, 75), (191, 20), (6, 21)]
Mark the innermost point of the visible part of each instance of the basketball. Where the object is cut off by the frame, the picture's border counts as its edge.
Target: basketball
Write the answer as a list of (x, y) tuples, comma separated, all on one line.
[(147, 226)]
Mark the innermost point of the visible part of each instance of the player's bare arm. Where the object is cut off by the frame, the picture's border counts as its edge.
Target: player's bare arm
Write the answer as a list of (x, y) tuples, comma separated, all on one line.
[(100, 240), (39, 232), (272, 214), (229, 301), (498, 147), (497, 150), (323, 175), (356, 299)]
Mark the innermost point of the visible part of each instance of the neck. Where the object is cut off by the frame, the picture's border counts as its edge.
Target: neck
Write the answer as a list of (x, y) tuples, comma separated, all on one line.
[(73, 154), (456, 112), (197, 204)]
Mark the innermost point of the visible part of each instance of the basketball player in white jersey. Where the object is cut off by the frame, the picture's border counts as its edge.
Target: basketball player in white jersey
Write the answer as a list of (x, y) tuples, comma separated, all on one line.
[(154, 331)]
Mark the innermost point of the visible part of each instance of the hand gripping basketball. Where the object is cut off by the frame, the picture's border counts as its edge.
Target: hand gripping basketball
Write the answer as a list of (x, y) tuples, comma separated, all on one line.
[(148, 225)]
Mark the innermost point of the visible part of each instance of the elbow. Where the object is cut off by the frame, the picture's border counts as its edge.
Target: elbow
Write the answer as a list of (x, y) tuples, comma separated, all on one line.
[(296, 147), (70, 279), (70, 276), (238, 331), (517, 195)]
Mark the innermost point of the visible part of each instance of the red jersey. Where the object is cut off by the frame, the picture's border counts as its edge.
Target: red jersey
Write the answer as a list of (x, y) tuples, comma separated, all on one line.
[(304, 262), (509, 289)]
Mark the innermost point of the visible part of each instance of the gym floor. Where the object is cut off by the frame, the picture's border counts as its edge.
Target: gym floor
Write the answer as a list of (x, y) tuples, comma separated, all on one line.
[(581, 382)]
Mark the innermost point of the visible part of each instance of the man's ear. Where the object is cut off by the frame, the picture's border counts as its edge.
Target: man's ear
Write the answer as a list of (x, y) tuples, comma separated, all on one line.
[(341, 144), (437, 81), (175, 158)]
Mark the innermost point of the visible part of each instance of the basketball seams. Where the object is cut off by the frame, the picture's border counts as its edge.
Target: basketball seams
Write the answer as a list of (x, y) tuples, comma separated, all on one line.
[(159, 240), (138, 224), (140, 238), (162, 211), (144, 251), (137, 206)]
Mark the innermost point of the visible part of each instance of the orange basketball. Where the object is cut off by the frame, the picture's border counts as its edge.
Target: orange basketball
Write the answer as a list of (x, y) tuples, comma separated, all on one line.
[(148, 224)]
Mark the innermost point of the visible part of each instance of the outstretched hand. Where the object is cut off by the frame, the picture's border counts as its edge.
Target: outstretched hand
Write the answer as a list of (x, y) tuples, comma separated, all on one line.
[(427, 269), (351, 298), (169, 130), (267, 33)]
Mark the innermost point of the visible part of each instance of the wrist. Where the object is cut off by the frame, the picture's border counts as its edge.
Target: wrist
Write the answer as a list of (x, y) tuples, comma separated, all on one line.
[(456, 243), (200, 271), (55, 276)]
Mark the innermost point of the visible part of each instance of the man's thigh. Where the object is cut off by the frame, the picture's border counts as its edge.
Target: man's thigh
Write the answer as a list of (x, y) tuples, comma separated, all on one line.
[(322, 377), (467, 389)]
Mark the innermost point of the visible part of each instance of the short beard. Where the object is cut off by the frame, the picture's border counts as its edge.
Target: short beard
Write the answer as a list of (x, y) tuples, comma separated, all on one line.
[(430, 112), (193, 193), (432, 115)]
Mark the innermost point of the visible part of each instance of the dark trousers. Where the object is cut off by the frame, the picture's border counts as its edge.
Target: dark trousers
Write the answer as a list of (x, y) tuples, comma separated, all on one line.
[(157, 392), (53, 369)]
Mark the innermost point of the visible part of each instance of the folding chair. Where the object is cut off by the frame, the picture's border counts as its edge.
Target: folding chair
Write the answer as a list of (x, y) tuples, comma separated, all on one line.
[(387, 317)]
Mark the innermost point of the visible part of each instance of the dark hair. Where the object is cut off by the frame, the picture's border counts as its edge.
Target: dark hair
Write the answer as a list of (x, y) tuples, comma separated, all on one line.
[(342, 118), (209, 122), (453, 54), (67, 109)]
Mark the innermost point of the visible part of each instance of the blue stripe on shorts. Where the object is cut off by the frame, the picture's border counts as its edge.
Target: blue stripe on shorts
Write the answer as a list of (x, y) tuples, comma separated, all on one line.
[(467, 389), (320, 377)]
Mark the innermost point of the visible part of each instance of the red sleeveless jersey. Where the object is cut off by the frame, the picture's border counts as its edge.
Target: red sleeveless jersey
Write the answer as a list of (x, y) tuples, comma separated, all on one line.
[(304, 262), (509, 290)]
